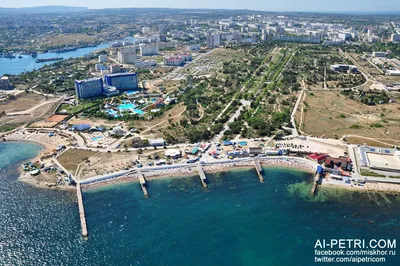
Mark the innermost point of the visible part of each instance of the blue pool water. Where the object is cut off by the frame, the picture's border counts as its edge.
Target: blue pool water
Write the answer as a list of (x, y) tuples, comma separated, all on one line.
[(112, 113), (126, 106), (97, 138), (138, 111)]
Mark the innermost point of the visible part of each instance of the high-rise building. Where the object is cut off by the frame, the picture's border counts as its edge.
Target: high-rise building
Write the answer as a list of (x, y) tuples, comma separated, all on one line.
[(127, 55), (148, 50), (102, 58), (115, 68), (264, 34), (254, 37), (122, 81), (89, 88), (210, 41), (161, 38), (217, 39)]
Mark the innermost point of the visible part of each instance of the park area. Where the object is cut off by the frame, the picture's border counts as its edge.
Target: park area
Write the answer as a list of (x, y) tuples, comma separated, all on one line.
[(330, 114)]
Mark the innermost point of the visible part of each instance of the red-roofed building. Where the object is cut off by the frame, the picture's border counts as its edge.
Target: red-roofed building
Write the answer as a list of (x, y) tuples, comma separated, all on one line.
[(344, 162), (317, 157)]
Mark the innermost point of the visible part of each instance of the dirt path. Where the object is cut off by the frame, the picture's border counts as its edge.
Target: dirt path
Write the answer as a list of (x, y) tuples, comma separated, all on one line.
[(163, 122), (201, 110)]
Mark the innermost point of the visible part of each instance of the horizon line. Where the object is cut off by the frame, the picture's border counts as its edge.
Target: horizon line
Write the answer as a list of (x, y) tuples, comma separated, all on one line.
[(232, 9)]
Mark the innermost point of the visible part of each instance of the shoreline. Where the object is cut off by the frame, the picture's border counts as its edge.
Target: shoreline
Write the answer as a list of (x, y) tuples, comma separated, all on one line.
[(32, 180), (26, 178), (191, 170)]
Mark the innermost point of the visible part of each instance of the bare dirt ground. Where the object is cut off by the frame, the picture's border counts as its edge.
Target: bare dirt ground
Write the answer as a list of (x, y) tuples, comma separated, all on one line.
[(22, 103), (26, 108), (103, 163), (72, 158), (333, 115)]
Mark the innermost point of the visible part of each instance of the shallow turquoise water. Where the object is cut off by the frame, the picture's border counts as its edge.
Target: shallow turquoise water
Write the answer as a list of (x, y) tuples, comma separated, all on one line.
[(237, 221)]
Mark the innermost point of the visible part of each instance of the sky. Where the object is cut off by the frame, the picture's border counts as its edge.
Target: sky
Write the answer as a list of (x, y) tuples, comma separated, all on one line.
[(264, 5)]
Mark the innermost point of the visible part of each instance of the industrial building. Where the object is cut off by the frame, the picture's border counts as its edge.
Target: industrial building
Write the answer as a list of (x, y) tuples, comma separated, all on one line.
[(122, 81), (344, 68)]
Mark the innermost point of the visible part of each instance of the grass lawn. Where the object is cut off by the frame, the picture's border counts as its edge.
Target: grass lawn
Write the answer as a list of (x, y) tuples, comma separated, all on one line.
[(75, 109)]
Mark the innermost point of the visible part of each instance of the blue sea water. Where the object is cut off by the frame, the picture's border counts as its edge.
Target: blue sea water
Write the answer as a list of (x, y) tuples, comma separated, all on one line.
[(17, 66), (237, 221)]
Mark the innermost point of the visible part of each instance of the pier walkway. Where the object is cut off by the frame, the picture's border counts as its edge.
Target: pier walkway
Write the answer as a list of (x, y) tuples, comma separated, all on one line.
[(202, 175), (317, 181), (258, 169), (81, 210), (142, 182)]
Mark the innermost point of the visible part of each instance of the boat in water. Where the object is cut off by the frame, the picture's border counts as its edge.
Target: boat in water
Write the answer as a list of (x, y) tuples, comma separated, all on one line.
[(9, 55), (42, 60), (20, 56)]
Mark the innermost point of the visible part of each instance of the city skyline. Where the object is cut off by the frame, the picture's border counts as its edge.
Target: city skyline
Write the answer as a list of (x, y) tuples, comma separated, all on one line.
[(282, 6)]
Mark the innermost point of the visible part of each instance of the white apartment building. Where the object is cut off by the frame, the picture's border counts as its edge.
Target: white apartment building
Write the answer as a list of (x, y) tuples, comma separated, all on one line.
[(148, 50), (127, 55)]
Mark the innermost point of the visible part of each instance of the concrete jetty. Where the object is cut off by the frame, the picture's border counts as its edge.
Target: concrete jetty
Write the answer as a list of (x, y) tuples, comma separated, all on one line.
[(258, 169), (315, 184), (202, 175), (81, 211), (142, 182)]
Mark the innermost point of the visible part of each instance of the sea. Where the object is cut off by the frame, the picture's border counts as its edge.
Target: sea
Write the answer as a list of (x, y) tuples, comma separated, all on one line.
[(16, 66), (236, 221)]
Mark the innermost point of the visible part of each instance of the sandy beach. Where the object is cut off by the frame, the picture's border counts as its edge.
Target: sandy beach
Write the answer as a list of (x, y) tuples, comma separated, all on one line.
[(191, 170)]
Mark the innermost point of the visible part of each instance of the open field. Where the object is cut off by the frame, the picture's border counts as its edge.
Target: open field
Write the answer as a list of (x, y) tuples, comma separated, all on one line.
[(333, 115), (72, 158), (103, 163), (23, 109), (21, 103), (67, 39), (153, 127)]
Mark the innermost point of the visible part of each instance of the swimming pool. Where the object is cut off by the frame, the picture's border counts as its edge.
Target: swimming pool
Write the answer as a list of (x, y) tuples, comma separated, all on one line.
[(126, 106), (112, 113), (138, 111), (97, 138)]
